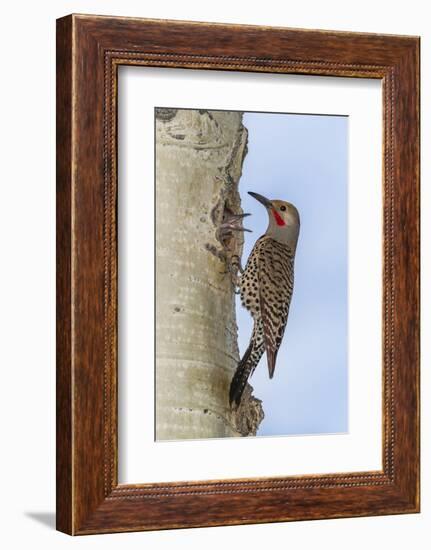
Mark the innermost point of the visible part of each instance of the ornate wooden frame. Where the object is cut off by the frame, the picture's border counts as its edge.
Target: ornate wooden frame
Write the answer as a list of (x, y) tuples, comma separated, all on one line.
[(89, 51)]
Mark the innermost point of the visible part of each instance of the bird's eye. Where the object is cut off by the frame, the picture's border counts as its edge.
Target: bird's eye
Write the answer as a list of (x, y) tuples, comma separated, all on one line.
[(282, 208)]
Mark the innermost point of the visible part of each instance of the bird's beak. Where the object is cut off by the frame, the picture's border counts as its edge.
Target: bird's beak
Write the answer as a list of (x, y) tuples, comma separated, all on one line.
[(263, 200)]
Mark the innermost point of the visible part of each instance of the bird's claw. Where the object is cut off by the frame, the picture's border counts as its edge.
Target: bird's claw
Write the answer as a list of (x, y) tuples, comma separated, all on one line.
[(237, 263)]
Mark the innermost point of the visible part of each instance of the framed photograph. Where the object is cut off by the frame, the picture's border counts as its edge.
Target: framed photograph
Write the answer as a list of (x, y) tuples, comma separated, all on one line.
[(237, 274)]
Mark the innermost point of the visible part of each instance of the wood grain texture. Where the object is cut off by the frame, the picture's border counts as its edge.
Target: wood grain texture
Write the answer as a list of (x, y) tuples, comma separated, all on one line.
[(64, 496), (90, 49)]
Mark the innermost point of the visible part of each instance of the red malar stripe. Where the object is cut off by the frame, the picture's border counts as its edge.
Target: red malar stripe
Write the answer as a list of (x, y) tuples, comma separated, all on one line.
[(278, 218)]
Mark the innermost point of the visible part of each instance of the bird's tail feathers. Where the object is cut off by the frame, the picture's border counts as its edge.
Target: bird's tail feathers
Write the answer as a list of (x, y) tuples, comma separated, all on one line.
[(271, 357), (243, 372)]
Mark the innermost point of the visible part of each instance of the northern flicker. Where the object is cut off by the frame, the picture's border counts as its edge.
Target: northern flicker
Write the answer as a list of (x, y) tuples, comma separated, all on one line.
[(266, 287)]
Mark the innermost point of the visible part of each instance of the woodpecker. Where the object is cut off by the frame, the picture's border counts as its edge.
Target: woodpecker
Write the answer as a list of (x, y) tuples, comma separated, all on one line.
[(266, 287)]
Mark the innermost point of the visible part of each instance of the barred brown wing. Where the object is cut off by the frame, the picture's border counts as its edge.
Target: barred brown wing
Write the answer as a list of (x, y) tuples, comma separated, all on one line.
[(275, 283)]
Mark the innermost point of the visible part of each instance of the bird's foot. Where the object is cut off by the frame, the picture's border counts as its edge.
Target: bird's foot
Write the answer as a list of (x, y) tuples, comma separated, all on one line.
[(236, 263), (233, 268), (233, 264)]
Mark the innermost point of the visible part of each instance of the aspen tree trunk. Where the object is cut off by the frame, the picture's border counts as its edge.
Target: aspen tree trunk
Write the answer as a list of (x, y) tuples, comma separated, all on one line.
[(199, 156)]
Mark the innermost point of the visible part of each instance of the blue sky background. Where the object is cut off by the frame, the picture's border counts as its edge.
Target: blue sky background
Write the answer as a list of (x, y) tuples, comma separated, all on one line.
[(303, 159)]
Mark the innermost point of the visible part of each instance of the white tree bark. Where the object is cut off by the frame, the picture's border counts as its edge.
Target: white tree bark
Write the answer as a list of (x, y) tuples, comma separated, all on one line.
[(199, 157)]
